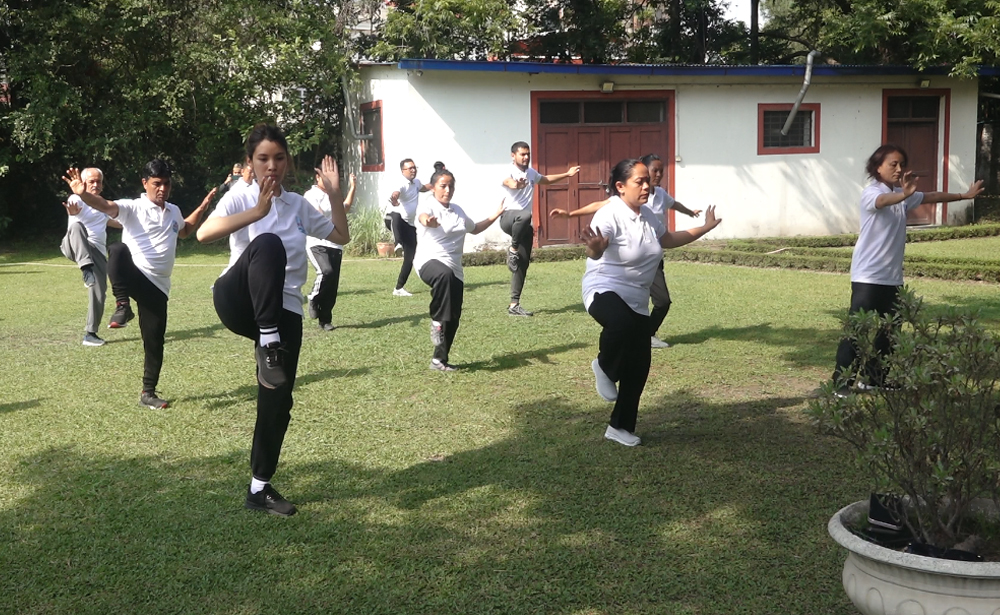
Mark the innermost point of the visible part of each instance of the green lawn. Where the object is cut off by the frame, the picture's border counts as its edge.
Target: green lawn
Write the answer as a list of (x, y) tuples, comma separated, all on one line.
[(983, 248), (489, 490)]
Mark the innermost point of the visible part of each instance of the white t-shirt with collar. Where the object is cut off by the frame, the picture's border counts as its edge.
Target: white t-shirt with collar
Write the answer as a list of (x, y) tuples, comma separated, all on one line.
[(291, 218), (151, 236), (446, 242), (409, 197), (878, 254), (517, 200), (660, 201), (96, 223), (629, 263), (321, 202)]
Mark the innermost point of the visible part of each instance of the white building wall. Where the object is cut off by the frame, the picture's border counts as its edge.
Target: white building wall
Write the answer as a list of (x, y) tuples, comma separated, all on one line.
[(469, 120)]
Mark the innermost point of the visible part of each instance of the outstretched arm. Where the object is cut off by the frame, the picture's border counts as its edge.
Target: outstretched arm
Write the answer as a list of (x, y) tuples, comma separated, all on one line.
[(680, 238), (221, 226), (192, 221), (947, 197), (678, 206), (586, 210), (76, 184), (551, 179), (482, 225)]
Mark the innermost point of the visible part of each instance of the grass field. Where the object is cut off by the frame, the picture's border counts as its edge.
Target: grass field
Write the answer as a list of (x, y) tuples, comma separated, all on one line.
[(489, 490)]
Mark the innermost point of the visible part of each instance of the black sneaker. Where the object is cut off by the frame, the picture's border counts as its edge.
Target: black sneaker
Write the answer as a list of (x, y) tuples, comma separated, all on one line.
[(270, 362), (91, 339), (885, 512), (270, 500), (512, 261), (517, 310), (313, 312), (441, 366), (149, 399), (327, 326), (123, 314), (89, 279)]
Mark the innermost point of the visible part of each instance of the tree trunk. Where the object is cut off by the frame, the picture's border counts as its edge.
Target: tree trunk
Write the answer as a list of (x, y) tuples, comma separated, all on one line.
[(754, 32)]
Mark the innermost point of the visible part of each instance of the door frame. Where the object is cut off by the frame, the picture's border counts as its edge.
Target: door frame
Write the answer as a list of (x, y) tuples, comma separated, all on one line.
[(944, 134), (669, 158)]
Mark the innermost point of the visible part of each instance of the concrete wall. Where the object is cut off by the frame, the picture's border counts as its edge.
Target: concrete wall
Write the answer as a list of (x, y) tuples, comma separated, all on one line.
[(469, 120)]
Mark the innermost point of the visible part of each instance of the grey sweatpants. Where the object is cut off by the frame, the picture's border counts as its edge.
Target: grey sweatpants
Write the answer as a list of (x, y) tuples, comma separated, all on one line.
[(76, 248)]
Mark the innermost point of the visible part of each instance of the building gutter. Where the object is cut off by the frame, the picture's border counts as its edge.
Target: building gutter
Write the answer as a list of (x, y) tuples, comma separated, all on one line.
[(802, 93)]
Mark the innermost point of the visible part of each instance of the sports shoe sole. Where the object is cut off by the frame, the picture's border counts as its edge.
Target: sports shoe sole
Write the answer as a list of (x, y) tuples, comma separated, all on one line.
[(251, 506)]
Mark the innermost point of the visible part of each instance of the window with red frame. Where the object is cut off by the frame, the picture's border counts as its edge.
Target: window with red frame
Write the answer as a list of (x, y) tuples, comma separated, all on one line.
[(372, 153), (803, 134)]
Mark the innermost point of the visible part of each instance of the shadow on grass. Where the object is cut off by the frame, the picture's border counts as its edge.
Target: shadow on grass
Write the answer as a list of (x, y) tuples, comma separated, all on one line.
[(475, 285), (573, 308), (187, 334), (413, 319), (248, 393), (805, 347), (520, 359), (15, 406), (723, 511)]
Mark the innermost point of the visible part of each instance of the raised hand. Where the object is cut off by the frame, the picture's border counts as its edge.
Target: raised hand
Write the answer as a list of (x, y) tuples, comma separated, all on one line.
[(974, 190), (74, 180), (521, 183), (72, 208), (207, 200), (573, 171), (351, 179), (431, 222), (558, 213), (909, 183), (595, 242), (695, 213), (710, 220), (267, 186), (330, 174)]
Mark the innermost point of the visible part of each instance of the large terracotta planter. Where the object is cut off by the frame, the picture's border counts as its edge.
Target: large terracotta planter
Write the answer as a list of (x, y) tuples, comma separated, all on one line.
[(882, 581), (384, 248)]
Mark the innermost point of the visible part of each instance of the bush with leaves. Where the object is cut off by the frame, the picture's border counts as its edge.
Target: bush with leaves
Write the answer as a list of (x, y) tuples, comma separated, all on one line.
[(933, 434), (367, 226)]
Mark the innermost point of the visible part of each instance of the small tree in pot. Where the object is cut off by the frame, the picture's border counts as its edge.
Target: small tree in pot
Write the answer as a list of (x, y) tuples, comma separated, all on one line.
[(932, 436)]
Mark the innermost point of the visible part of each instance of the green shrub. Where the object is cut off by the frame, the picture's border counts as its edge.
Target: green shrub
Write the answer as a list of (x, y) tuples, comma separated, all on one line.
[(367, 229)]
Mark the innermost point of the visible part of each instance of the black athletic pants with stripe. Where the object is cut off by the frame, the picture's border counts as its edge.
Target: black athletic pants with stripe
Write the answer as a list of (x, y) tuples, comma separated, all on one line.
[(873, 298), (405, 235), (247, 299), (151, 304), (517, 224), (625, 354)]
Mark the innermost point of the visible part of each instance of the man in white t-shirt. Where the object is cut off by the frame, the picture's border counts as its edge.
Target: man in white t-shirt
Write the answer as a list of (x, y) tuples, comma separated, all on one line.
[(400, 220), (325, 256), (140, 266), (516, 218), (85, 243)]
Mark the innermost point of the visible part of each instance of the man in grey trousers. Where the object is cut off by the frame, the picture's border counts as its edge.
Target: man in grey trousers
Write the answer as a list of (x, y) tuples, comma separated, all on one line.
[(86, 244)]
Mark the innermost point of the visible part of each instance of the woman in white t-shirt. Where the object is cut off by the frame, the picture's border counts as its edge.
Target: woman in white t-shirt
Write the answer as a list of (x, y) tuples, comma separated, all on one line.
[(624, 245), (259, 294), (441, 230), (877, 263)]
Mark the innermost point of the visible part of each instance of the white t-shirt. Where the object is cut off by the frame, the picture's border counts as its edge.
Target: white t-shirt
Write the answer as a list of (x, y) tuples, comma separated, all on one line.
[(409, 197), (96, 223), (239, 240), (151, 235), (291, 218), (517, 200), (446, 242), (660, 201), (319, 200), (878, 254), (628, 265)]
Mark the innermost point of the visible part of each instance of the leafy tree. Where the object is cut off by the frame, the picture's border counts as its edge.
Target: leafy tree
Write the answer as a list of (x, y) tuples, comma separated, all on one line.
[(114, 83)]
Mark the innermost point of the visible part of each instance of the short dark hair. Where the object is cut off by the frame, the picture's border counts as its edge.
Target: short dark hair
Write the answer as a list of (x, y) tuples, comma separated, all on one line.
[(442, 172), (157, 167), (403, 162), (265, 132), (879, 156), (649, 158), (621, 173), (519, 145)]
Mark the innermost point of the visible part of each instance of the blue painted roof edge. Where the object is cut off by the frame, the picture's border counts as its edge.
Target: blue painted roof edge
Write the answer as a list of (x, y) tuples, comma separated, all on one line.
[(687, 70)]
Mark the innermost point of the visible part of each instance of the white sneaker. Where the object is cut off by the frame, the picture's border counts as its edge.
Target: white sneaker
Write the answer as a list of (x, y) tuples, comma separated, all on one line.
[(401, 292), (655, 342), (621, 436), (605, 386), (398, 249)]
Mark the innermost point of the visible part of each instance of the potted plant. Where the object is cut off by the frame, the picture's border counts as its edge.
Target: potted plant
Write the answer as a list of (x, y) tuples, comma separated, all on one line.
[(930, 440)]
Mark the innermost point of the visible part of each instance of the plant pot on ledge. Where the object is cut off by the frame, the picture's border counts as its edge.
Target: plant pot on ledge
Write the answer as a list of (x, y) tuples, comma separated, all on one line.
[(881, 581), (384, 248)]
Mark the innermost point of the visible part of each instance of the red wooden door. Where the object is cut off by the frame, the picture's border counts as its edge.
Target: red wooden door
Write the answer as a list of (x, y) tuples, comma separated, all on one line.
[(571, 129), (912, 123)]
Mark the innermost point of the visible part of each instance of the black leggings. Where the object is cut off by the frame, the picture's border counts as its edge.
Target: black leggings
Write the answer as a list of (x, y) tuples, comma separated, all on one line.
[(447, 293), (870, 297), (625, 354), (405, 234), (660, 295), (127, 281), (323, 297), (247, 299)]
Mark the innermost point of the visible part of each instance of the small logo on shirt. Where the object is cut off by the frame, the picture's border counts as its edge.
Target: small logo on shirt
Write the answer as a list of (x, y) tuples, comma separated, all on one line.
[(298, 223), (173, 226)]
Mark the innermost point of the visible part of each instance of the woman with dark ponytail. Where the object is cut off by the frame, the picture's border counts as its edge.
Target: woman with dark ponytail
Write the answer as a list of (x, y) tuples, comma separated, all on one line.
[(259, 295), (624, 245), (440, 242)]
